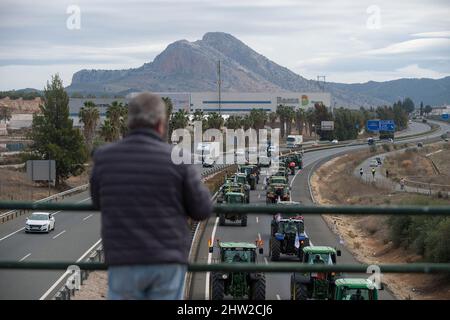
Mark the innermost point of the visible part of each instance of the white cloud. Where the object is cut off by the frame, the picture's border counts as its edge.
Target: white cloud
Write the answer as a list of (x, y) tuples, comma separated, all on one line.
[(413, 46), (434, 34)]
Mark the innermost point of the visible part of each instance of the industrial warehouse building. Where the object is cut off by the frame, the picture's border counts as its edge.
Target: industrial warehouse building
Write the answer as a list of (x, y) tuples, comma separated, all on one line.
[(229, 102)]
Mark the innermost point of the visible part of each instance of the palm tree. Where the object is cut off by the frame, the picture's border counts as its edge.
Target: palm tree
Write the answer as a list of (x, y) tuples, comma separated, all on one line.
[(247, 122), (273, 116), (259, 118), (310, 119), (107, 131), (180, 119), (115, 114), (169, 110), (234, 122), (281, 111), (290, 116), (90, 117), (198, 115), (214, 121), (299, 120)]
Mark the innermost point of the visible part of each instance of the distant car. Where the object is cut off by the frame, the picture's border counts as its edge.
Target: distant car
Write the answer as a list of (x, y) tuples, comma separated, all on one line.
[(40, 222), (420, 145), (240, 152), (379, 161), (335, 141), (373, 163), (208, 163), (370, 141), (391, 140)]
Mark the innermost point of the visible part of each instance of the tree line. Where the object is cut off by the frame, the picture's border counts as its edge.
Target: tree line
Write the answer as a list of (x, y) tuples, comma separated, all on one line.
[(56, 138)]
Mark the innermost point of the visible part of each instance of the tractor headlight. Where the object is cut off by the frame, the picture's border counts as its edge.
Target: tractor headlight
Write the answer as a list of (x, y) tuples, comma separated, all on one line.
[(224, 276)]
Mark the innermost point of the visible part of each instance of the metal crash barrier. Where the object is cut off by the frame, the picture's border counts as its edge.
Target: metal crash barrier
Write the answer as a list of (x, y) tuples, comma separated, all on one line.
[(255, 209)]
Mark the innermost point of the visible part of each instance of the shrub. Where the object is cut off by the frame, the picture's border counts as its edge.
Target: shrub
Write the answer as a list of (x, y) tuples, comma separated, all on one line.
[(386, 147)]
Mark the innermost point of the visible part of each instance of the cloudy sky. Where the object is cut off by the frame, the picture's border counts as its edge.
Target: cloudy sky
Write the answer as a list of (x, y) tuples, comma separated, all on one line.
[(347, 41)]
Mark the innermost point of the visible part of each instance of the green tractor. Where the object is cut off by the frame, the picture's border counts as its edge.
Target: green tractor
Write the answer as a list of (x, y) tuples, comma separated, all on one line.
[(278, 192), (315, 285), (355, 289), (252, 174), (233, 198), (239, 285), (241, 178), (231, 186)]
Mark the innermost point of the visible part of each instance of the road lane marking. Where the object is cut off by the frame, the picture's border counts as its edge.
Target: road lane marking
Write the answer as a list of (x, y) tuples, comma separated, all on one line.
[(59, 234), (25, 257), (257, 220), (278, 297), (85, 218), (50, 290), (54, 213), (213, 235), (259, 236), (265, 260), (13, 233)]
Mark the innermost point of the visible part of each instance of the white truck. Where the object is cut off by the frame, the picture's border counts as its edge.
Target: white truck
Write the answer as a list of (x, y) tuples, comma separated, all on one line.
[(208, 153), (294, 141)]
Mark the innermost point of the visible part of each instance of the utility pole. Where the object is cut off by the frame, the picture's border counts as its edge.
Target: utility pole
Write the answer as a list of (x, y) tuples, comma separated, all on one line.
[(219, 86)]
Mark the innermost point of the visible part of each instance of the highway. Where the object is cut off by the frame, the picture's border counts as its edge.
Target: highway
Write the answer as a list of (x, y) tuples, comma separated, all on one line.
[(277, 285), (77, 233)]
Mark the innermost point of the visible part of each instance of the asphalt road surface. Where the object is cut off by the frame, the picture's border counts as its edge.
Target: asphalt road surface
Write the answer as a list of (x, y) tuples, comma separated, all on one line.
[(277, 285)]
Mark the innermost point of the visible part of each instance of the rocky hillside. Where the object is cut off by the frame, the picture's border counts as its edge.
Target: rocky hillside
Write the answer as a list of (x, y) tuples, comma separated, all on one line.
[(192, 66)]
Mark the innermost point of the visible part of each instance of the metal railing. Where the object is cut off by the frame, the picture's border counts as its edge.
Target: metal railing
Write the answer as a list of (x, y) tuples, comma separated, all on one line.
[(255, 209)]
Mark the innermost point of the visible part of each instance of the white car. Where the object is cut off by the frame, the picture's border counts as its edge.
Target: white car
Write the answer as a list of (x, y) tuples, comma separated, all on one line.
[(373, 163), (335, 141), (40, 222)]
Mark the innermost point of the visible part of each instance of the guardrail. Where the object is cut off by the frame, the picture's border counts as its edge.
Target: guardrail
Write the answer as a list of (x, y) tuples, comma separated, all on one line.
[(251, 209), (15, 213)]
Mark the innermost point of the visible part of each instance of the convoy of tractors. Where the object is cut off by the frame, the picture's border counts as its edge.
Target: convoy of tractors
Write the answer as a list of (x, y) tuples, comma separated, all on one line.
[(288, 240)]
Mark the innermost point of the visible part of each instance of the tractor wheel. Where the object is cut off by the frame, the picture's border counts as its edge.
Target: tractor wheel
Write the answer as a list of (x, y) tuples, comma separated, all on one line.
[(299, 290), (275, 249), (244, 221), (258, 289), (221, 220), (217, 288)]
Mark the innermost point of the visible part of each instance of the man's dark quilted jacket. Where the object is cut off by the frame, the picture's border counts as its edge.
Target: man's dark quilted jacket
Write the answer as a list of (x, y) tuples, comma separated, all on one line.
[(146, 200)]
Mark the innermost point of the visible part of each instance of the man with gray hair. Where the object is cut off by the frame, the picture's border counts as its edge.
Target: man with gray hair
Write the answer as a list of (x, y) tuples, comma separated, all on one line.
[(145, 201)]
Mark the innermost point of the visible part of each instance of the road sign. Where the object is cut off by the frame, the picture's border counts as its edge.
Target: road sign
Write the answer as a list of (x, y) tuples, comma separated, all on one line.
[(445, 116), (327, 125), (373, 125), (41, 170), (387, 125)]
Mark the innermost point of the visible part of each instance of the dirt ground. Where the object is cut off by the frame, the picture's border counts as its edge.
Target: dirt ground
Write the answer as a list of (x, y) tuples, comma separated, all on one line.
[(14, 185), (430, 164), (367, 236)]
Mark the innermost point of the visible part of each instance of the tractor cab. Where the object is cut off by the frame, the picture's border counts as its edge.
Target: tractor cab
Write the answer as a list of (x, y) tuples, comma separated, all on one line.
[(277, 179), (234, 197), (315, 285), (317, 254), (355, 289)]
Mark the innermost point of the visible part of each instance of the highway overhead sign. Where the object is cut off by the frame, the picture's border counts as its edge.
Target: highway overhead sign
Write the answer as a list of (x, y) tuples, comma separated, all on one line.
[(387, 125), (373, 125)]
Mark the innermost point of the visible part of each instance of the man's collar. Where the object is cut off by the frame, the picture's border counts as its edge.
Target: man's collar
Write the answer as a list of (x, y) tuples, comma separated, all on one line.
[(147, 131)]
